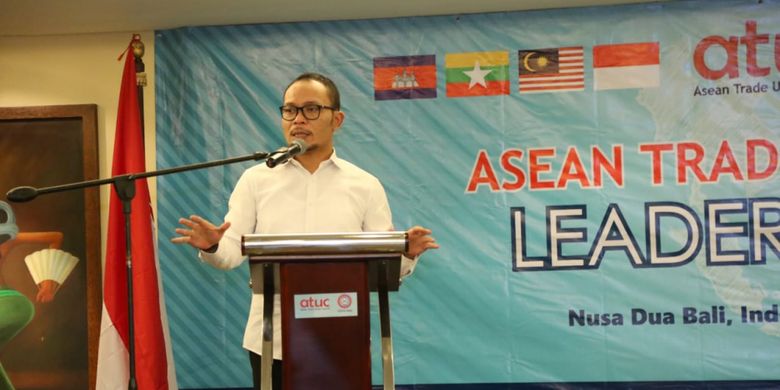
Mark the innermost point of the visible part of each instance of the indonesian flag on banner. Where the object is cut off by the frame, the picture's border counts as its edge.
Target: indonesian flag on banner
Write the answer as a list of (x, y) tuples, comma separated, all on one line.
[(626, 65), (153, 360)]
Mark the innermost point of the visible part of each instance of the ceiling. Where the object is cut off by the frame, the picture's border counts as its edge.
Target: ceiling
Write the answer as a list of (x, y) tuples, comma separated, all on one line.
[(59, 17)]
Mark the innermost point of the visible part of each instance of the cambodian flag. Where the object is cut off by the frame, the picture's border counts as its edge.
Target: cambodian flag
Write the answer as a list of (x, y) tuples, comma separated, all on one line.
[(405, 77)]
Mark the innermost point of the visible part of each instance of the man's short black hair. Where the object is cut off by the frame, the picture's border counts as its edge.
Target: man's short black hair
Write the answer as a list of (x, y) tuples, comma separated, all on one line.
[(333, 91)]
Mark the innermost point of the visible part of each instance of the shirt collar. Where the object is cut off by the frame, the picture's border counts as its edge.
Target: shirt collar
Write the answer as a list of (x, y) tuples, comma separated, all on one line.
[(333, 159)]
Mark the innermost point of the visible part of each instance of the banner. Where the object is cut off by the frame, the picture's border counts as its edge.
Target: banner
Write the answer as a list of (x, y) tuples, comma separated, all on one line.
[(602, 181)]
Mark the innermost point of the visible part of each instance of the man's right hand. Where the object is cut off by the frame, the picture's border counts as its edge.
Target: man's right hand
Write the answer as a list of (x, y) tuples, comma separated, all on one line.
[(199, 232)]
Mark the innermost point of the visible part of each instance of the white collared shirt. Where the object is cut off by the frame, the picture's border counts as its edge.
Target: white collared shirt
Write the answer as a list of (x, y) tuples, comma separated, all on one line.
[(337, 197)]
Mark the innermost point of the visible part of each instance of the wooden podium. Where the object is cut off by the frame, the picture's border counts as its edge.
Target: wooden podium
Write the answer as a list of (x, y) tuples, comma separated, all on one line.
[(324, 282)]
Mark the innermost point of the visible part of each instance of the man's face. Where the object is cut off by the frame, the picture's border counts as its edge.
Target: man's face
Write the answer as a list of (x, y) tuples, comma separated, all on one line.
[(316, 133)]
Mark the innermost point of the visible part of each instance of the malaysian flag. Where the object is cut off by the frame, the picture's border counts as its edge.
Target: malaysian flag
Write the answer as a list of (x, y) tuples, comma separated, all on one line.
[(551, 70)]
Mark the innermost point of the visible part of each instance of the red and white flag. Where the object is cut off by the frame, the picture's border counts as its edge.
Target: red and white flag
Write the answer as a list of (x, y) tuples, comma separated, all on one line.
[(626, 65), (153, 360)]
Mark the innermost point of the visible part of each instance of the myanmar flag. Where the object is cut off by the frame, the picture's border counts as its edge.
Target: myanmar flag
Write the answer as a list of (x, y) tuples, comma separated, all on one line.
[(477, 74)]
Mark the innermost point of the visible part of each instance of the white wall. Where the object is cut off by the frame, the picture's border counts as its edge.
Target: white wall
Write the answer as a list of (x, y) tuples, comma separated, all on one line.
[(78, 69)]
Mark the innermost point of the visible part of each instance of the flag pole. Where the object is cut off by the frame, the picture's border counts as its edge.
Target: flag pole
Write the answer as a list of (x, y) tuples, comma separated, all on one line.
[(140, 75), (125, 190)]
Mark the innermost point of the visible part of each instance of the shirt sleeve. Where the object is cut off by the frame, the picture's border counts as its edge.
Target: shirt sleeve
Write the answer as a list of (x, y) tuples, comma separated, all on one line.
[(242, 217), (379, 218)]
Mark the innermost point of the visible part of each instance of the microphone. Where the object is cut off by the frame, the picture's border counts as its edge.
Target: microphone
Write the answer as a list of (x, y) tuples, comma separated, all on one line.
[(22, 194), (285, 153)]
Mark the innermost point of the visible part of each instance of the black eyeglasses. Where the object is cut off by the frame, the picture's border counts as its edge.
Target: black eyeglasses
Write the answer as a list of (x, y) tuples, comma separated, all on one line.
[(310, 111)]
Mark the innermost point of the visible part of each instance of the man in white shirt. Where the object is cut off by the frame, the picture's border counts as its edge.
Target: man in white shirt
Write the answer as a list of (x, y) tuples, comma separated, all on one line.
[(316, 192)]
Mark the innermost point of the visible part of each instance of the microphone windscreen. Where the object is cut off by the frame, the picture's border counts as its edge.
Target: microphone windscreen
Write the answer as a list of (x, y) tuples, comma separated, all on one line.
[(22, 194), (300, 143)]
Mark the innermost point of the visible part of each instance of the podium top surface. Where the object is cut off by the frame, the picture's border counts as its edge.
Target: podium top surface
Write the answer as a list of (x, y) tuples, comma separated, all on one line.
[(323, 245)]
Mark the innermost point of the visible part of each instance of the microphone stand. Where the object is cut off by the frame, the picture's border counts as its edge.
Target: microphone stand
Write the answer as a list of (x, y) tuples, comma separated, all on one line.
[(124, 185)]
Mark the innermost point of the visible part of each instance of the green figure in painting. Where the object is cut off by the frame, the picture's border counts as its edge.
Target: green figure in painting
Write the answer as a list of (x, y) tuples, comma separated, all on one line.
[(16, 310)]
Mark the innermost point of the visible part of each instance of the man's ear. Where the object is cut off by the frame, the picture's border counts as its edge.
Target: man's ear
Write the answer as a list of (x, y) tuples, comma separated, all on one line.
[(338, 120)]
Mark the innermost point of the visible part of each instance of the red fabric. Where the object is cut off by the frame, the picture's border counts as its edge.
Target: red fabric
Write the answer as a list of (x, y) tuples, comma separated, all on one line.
[(151, 362), (626, 54)]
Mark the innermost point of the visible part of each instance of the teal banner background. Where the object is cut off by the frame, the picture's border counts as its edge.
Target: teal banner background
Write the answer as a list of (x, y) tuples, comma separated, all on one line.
[(469, 314)]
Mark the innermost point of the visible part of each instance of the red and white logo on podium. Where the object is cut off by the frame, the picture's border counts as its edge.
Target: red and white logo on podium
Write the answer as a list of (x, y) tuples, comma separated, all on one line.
[(322, 305), (344, 301)]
